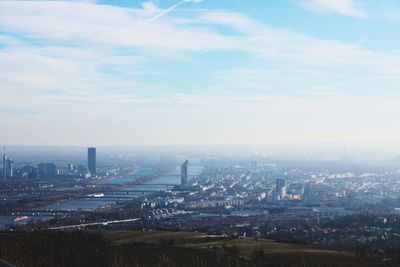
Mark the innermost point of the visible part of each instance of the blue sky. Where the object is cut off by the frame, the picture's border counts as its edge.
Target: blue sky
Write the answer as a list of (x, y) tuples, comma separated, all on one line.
[(199, 72)]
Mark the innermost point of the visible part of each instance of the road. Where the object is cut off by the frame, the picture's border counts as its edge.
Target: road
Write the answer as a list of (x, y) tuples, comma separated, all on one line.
[(92, 224)]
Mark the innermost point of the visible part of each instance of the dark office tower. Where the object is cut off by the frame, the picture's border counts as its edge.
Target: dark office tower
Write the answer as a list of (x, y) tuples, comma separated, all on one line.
[(4, 165), (281, 188), (8, 167), (184, 174), (46, 170), (306, 190), (92, 160)]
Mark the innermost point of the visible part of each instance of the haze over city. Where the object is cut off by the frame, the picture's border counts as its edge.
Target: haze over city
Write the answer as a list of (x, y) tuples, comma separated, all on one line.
[(199, 72), (201, 133)]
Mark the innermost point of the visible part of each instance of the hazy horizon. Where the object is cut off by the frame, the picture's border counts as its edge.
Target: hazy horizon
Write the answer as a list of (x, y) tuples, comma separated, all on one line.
[(200, 133), (305, 151)]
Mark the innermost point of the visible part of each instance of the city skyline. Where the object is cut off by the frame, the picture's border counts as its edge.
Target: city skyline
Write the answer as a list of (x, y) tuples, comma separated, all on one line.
[(199, 72), (202, 133)]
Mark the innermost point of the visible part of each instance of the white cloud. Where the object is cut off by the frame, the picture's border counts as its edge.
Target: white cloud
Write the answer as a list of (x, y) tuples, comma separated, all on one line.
[(101, 24), (344, 7), (98, 32), (60, 69), (298, 51)]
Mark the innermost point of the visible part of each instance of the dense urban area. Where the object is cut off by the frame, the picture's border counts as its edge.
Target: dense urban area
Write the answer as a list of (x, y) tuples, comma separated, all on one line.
[(337, 205)]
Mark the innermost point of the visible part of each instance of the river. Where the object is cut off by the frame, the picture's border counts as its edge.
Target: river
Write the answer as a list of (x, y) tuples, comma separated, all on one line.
[(172, 178)]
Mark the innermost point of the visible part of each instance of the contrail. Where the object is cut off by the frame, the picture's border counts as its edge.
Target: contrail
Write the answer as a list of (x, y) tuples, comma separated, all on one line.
[(166, 11)]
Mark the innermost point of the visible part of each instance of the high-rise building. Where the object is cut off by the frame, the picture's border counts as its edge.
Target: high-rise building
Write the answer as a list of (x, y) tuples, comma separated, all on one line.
[(46, 170), (71, 167), (91, 159), (4, 166), (184, 173), (306, 190), (281, 188), (8, 167)]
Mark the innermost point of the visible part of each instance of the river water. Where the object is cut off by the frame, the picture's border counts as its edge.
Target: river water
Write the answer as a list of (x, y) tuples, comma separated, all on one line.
[(172, 178)]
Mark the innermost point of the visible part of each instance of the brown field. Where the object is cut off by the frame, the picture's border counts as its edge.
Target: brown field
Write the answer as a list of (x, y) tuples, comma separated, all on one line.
[(163, 248), (245, 246)]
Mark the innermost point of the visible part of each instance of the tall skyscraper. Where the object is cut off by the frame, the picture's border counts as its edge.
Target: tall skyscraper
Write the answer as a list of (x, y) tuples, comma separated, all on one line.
[(306, 190), (8, 167), (4, 165), (281, 188), (184, 173), (92, 160)]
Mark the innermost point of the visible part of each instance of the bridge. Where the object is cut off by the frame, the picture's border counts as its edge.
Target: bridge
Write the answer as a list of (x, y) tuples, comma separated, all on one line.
[(93, 224), (96, 188), (133, 191), (116, 198), (134, 184), (40, 212)]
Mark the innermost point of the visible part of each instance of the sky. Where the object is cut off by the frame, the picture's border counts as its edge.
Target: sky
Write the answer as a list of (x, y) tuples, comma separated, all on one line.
[(192, 72)]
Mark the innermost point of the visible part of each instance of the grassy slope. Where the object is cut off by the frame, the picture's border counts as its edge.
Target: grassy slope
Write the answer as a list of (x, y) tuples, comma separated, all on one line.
[(275, 254), (245, 246), (161, 248)]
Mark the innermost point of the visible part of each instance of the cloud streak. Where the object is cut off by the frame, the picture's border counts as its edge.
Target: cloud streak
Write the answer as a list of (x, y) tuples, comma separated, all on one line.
[(170, 9), (343, 7), (103, 67)]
